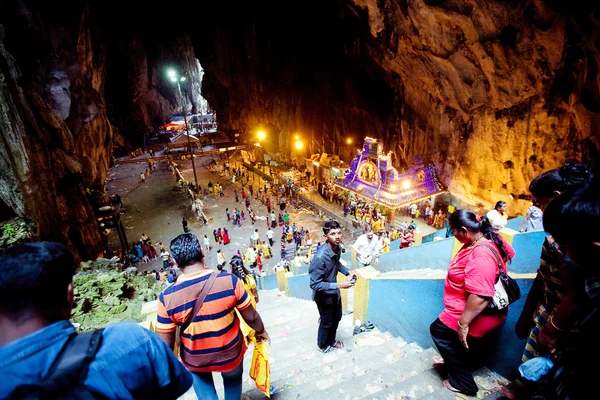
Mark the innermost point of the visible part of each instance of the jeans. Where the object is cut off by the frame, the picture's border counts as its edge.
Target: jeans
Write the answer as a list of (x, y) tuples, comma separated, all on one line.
[(330, 310), (204, 385), (459, 362)]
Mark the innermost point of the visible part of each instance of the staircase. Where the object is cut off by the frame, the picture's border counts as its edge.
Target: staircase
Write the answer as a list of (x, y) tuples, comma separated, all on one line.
[(374, 365)]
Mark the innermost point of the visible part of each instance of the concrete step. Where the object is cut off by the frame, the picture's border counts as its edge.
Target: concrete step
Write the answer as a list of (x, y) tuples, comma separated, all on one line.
[(417, 386), (362, 375), (291, 352), (312, 362)]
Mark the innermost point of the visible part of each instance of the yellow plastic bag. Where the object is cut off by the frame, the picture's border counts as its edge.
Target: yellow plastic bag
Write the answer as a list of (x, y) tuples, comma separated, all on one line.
[(259, 368)]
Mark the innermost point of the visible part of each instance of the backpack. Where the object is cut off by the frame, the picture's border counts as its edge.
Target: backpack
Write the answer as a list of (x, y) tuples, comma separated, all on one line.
[(68, 372)]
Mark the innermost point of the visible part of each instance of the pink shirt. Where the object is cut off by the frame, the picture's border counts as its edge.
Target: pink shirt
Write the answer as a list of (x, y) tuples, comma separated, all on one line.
[(473, 270)]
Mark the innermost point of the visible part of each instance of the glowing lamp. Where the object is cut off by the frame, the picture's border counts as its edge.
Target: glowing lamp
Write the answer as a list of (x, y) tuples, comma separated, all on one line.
[(171, 73), (296, 137), (299, 145), (261, 135), (173, 79), (405, 184), (349, 141)]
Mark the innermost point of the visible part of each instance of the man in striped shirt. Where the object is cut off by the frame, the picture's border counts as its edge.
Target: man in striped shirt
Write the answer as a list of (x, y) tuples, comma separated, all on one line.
[(213, 341)]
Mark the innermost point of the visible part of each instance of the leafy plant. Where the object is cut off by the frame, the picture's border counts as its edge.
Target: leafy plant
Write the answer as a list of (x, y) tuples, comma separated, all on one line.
[(104, 294)]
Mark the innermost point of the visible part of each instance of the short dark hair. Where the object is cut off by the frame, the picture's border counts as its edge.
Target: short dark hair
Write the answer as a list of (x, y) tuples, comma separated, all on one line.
[(329, 225), (558, 180), (469, 220), (35, 276), (186, 250), (572, 219), (499, 204)]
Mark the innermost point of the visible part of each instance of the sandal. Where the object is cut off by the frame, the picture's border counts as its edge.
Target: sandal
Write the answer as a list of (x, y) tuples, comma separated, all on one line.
[(441, 369), (368, 325), (450, 387), (327, 349), (338, 345)]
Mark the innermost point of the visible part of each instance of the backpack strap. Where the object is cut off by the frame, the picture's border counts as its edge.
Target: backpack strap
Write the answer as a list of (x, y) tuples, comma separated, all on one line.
[(201, 297), (70, 368), (68, 372), (75, 357)]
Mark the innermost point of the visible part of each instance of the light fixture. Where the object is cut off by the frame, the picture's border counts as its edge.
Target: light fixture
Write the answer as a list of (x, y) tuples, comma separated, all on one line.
[(406, 184), (299, 145), (261, 135), (349, 141), (296, 137)]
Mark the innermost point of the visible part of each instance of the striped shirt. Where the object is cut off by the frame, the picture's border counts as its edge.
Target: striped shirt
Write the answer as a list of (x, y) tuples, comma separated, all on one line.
[(213, 341)]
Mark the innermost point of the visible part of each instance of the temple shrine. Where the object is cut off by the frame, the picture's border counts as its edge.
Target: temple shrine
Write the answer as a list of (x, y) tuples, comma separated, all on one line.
[(372, 177)]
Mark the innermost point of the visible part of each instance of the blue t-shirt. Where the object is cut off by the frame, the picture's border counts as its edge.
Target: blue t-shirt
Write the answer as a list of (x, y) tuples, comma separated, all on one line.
[(132, 363)]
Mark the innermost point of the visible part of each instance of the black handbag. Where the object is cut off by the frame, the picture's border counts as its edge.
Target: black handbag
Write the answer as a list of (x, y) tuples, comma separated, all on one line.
[(506, 289)]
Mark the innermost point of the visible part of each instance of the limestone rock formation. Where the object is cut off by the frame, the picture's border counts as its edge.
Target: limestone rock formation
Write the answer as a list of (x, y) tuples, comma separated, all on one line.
[(56, 139), (492, 92)]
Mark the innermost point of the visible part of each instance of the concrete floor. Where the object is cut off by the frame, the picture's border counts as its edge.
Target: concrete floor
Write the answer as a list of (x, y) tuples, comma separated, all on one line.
[(157, 206)]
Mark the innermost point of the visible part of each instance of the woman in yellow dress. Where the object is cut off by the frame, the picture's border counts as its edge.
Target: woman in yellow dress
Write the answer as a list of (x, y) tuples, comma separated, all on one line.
[(239, 270), (266, 250), (386, 242)]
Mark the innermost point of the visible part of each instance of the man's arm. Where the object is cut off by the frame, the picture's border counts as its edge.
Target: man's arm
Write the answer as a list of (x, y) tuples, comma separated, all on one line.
[(168, 338), (255, 322), (165, 326)]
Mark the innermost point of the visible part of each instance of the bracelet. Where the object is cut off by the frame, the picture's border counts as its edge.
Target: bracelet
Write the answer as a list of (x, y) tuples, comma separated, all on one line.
[(555, 327), (462, 328)]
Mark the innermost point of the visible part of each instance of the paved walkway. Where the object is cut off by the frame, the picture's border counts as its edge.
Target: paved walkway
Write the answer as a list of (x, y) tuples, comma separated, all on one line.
[(156, 207)]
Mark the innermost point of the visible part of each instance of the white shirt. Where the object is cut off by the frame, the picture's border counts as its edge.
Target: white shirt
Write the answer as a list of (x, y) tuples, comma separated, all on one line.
[(365, 248), (413, 209), (206, 241), (497, 220), (220, 258), (270, 234), (164, 256)]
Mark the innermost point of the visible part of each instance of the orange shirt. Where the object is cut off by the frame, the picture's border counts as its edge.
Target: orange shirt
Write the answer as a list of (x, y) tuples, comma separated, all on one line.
[(214, 337)]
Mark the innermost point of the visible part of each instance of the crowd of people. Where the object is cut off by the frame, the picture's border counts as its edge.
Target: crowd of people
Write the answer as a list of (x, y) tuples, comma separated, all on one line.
[(560, 321)]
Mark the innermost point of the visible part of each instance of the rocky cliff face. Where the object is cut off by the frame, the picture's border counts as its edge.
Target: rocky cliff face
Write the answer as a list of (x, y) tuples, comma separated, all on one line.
[(56, 138), (492, 92), (66, 69)]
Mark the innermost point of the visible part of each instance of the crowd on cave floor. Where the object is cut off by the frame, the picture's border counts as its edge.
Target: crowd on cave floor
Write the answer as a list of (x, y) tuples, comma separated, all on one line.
[(230, 218), (156, 206)]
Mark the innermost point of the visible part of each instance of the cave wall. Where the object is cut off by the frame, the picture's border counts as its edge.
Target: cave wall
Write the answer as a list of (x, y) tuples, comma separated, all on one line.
[(56, 139), (288, 71), (139, 96), (493, 92)]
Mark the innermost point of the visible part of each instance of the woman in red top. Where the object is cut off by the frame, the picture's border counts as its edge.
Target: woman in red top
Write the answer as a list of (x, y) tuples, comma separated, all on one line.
[(469, 286)]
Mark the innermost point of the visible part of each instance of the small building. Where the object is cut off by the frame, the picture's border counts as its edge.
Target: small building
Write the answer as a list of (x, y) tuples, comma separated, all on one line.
[(181, 140)]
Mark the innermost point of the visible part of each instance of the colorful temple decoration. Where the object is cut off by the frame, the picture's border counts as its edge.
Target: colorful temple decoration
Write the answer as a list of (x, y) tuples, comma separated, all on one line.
[(371, 175)]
